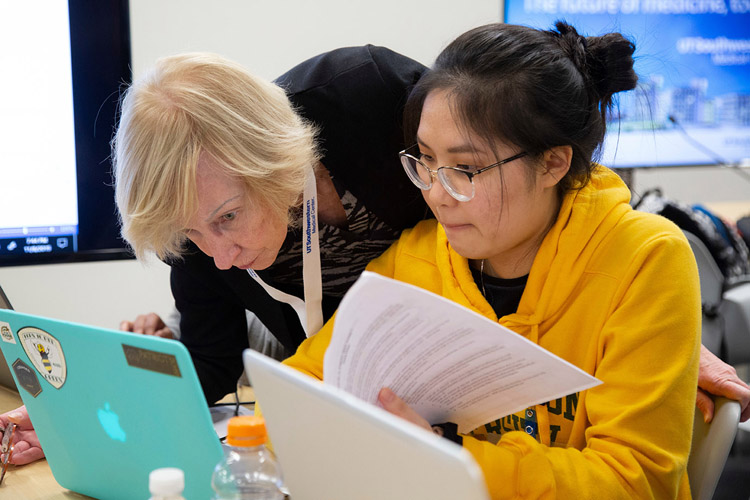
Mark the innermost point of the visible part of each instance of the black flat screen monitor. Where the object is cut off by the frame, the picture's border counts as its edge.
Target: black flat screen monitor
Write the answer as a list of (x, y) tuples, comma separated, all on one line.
[(692, 105), (64, 64)]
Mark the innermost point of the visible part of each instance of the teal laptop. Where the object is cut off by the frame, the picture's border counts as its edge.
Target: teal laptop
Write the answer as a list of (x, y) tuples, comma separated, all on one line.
[(111, 406)]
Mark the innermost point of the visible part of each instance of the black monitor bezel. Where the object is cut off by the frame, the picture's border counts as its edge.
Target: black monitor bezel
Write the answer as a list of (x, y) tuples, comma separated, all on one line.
[(101, 64)]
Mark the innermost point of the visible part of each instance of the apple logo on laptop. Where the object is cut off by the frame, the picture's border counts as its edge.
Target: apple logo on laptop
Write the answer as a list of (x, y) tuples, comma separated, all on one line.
[(111, 423)]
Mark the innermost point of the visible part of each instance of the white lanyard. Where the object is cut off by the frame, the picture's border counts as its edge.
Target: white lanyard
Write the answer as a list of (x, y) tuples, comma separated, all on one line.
[(310, 310)]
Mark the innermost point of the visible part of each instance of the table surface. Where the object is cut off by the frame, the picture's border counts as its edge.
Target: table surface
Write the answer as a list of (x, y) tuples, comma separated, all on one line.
[(32, 481), (35, 481)]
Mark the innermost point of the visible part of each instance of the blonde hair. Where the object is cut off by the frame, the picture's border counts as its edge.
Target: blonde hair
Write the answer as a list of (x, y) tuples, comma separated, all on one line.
[(199, 102)]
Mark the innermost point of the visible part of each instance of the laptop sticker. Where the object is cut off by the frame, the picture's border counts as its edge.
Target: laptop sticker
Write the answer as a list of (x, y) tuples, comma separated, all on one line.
[(154, 361), (45, 353), (6, 333), (26, 377)]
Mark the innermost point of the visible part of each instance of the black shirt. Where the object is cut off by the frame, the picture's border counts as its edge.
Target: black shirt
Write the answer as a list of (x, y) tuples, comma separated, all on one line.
[(504, 295)]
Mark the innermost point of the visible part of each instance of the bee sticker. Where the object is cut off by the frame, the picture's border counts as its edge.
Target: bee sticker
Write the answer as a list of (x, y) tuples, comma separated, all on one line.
[(6, 333), (45, 354)]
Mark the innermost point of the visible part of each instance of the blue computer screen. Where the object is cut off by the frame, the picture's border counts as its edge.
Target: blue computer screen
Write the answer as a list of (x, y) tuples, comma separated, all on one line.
[(692, 105)]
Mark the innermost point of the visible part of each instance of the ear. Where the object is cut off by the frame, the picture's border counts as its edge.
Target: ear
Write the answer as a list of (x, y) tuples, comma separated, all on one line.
[(555, 164)]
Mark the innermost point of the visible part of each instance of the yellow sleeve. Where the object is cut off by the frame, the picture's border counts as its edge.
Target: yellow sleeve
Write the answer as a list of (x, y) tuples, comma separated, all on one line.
[(309, 356), (636, 434)]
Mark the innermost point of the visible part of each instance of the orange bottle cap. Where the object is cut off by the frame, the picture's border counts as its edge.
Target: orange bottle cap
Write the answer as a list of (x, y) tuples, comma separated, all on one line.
[(246, 430)]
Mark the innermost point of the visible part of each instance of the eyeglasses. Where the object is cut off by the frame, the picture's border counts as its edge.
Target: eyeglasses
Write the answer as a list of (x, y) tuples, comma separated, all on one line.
[(6, 448), (458, 181)]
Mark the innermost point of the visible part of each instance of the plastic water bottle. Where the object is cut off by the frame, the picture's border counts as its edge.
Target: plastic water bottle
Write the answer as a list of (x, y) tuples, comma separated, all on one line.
[(249, 470), (167, 483)]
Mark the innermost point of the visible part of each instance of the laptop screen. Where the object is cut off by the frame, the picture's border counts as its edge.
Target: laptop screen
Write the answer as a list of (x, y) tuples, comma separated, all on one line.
[(4, 302), (6, 379), (319, 434)]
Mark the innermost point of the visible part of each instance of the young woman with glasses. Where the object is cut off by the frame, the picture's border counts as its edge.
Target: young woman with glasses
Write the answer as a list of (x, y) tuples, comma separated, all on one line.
[(532, 233)]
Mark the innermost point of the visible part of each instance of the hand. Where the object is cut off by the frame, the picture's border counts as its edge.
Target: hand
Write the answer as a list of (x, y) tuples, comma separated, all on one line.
[(147, 324), (396, 406), (27, 448), (720, 379)]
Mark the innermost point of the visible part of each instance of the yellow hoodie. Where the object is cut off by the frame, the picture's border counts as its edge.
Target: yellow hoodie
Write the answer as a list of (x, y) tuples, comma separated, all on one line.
[(611, 290)]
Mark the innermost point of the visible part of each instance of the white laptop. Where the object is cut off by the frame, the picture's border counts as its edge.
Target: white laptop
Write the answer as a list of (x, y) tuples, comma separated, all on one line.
[(332, 445)]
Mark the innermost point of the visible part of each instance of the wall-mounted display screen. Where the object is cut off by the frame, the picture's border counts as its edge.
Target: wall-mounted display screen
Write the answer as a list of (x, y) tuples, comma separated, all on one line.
[(692, 105), (65, 62)]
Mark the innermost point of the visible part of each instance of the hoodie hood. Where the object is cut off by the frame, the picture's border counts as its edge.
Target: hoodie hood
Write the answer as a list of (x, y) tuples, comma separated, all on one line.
[(585, 218)]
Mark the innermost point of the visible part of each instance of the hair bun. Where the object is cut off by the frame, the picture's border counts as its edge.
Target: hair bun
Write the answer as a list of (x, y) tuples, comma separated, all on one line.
[(572, 44), (606, 62)]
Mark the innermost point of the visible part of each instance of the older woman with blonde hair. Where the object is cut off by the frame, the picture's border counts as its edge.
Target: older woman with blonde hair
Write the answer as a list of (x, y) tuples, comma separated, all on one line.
[(265, 197), (200, 111)]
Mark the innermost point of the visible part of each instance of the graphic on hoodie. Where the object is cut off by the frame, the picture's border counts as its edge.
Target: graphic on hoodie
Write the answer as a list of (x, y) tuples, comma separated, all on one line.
[(561, 412)]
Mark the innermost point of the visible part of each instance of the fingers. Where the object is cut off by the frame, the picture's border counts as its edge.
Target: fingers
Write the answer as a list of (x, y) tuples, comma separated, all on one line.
[(740, 391), (147, 324), (395, 405), (25, 453), (28, 436), (26, 448), (718, 378), (164, 333), (737, 389), (732, 388), (20, 417), (705, 404), (126, 326)]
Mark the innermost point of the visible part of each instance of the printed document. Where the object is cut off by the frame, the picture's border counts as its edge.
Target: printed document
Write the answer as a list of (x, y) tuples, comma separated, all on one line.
[(447, 362)]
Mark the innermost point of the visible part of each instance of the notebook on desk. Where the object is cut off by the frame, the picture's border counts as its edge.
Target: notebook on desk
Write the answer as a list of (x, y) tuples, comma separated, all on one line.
[(110, 406), (334, 446)]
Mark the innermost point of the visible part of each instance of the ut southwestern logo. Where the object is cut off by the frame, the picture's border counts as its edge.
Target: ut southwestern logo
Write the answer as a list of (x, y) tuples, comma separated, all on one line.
[(111, 423), (312, 224)]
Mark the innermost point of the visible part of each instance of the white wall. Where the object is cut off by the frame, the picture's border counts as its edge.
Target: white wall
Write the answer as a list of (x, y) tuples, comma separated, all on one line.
[(267, 36), (696, 184), (270, 36), (97, 293)]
